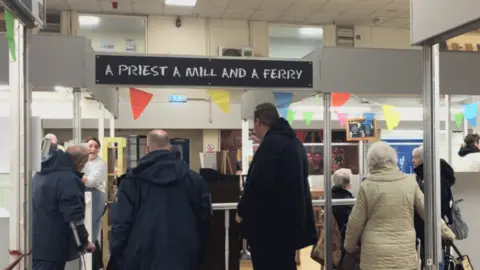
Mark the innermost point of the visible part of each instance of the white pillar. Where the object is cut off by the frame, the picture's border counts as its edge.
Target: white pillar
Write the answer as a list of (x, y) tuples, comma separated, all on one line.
[(448, 131), (112, 125), (77, 115), (101, 121), (245, 146), (20, 172)]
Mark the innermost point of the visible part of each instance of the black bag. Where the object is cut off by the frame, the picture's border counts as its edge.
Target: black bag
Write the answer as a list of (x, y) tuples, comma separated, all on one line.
[(350, 261), (460, 262)]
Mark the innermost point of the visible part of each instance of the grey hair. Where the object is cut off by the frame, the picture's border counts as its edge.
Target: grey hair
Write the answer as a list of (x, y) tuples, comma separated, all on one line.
[(381, 154), (342, 177), (418, 152)]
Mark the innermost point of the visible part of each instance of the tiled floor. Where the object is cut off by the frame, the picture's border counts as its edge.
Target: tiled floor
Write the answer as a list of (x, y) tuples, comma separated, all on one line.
[(306, 262)]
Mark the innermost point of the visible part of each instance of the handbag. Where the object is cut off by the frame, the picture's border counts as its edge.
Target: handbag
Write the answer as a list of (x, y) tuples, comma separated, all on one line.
[(350, 261), (460, 262)]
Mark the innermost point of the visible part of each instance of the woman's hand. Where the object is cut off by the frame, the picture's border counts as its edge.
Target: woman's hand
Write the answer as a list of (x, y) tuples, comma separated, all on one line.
[(447, 233), (84, 179), (238, 218)]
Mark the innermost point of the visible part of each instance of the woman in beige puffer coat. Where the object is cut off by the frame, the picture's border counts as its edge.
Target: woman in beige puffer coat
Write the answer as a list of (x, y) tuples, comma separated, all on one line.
[(382, 217)]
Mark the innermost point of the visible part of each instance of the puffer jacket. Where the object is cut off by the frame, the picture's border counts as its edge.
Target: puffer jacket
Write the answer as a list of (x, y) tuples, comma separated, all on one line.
[(470, 160), (382, 218)]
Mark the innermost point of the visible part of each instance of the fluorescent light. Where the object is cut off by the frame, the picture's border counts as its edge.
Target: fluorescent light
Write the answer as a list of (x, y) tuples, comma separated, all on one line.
[(87, 20), (311, 31), (182, 3)]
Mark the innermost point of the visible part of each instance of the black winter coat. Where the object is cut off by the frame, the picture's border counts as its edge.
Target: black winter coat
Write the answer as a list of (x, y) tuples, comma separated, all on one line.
[(276, 205), (447, 175), (58, 199), (341, 212), (161, 218)]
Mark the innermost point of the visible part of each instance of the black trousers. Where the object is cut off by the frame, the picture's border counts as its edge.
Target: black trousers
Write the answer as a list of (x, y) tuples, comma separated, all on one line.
[(46, 265), (272, 256)]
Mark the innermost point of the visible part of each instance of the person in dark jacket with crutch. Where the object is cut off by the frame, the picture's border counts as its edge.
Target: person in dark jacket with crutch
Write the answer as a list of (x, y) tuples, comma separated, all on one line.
[(59, 233), (161, 219), (447, 180)]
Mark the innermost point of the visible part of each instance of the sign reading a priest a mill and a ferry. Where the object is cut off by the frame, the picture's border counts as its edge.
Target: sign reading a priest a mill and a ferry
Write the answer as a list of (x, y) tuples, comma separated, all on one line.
[(205, 72)]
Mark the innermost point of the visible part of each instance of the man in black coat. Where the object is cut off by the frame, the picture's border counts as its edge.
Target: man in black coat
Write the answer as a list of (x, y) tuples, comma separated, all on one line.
[(447, 180), (161, 218), (275, 211), (59, 210)]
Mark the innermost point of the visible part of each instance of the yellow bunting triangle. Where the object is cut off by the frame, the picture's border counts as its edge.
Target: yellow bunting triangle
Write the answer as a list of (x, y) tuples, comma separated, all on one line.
[(221, 98), (392, 117)]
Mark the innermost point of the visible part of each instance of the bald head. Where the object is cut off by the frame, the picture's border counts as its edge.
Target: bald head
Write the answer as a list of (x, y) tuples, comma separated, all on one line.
[(79, 156), (51, 137), (158, 139)]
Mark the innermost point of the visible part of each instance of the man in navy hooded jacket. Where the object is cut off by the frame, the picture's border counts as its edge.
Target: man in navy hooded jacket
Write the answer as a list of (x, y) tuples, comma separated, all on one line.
[(59, 210), (161, 218)]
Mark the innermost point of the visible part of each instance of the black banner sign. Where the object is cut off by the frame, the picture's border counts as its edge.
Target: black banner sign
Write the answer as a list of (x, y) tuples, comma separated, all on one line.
[(203, 72)]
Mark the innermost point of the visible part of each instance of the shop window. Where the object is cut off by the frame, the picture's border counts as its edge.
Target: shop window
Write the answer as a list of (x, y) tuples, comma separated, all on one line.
[(112, 33), (344, 154)]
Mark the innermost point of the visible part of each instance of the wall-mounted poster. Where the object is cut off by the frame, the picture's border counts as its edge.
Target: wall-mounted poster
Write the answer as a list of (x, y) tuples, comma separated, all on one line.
[(130, 45), (404, 149), (107, 45), (360, 129)]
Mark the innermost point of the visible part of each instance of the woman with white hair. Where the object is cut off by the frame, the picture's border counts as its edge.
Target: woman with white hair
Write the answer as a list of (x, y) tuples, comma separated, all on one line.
[(382, 217), (341, 184)]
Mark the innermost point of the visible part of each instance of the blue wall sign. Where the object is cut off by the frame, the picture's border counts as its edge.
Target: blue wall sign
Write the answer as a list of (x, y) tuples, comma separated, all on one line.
[(177, 99)]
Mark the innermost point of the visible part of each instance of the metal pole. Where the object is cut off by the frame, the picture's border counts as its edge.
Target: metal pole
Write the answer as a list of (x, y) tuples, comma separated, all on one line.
[(227, 236), (101, 121), (245, 145), (112, 126), (327, 182), (448, 131), (431, 94), (28, 187), (77, 115), (361, 165)]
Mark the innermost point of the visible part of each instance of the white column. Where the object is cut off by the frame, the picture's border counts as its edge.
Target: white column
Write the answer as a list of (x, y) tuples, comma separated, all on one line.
[(112, 126), (77, 115), (20, 173), (246, 146), (101, 121), (448, 131)]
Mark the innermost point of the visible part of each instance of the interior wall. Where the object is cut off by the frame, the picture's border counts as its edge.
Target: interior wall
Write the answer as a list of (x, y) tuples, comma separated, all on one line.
[(387, 38), (119, 39), (195, 136)]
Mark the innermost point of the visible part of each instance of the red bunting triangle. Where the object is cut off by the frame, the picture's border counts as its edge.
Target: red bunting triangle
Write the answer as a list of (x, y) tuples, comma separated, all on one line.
[(339, 99), (139, 101)]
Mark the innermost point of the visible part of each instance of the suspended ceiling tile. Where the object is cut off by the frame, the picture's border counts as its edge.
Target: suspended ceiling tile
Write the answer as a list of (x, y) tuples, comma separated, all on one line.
[(148, 7), (306, 6), (365, 8), (212, 3), (337, 7), (322, 18), (267, 15), (352, 19), (209, 12), (276, 5), (292, 17), (237, 14), (396, 23), (392, 10), (178, 11), (245, 4)]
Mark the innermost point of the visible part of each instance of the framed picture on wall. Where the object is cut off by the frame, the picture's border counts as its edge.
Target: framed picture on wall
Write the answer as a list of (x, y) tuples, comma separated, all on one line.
[(130, 45)]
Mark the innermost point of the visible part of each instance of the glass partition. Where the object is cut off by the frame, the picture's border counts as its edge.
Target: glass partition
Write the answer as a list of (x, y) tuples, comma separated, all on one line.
[(112, 33), (294, 41)]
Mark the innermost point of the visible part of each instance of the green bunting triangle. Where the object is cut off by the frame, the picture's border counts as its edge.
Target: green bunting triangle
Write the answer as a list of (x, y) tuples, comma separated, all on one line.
[(458, 119), (9, 33), (290, 116), (307, 117)]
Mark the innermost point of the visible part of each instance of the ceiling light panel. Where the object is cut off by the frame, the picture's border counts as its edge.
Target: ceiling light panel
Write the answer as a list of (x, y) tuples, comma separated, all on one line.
[(181, 3)]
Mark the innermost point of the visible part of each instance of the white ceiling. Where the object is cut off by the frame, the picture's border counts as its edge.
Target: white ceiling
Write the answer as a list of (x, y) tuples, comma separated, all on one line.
[(393, 13)]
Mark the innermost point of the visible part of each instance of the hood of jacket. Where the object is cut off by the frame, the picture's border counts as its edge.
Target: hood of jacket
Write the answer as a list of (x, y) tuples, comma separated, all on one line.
[(341, 192), (465, 150), (389, 172), (57, 161), (446, 171), (282, 128), (160, 167)]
